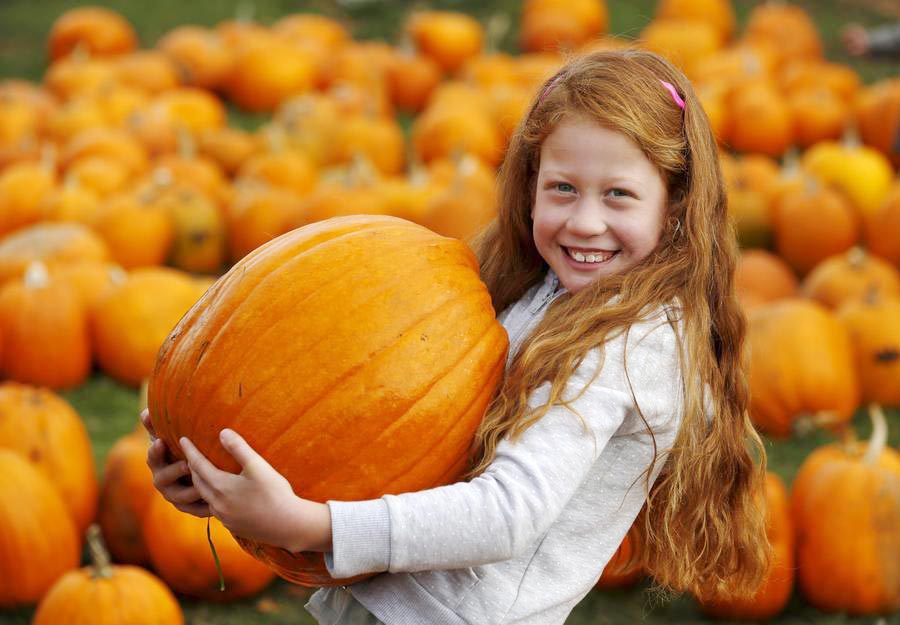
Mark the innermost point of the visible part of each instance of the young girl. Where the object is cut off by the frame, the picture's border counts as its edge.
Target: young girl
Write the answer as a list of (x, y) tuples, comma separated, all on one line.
[(612, 260)]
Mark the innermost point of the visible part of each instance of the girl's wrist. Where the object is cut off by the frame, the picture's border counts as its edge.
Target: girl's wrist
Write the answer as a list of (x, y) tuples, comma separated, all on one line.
[(310, 524)]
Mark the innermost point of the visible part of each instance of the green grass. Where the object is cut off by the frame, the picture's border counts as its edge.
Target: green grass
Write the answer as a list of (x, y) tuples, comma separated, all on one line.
[(110, 410)]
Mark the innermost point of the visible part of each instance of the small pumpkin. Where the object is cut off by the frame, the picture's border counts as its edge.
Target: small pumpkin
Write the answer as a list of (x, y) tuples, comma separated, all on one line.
[(853, 276), (200, 55), (257, 84), (45, 429), (174, 538), (98, 30), (449, 38), (125, 497), (762, 277), (811, 224), (38, 539), (718, 13), (760, 120), (877, 113), (411, 79), (23, 187), (53, 244), (874, 327), (119, 594), (882, 228), (801, 367), (787, 28), (136, 228), (45, 331), (845, 504)]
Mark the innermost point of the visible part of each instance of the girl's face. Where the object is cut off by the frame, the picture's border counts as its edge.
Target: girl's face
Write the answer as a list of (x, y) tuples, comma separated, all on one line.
[(599, 203)]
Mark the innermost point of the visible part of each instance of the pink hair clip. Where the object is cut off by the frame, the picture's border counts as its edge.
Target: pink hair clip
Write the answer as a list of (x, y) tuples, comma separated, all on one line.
[(674, 92)]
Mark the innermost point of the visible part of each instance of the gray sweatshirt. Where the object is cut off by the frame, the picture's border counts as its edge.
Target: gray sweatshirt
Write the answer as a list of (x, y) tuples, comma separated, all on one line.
[(525, 541)]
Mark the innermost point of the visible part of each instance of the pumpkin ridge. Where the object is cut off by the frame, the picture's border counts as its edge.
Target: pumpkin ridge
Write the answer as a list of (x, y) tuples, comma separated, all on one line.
[(235, 422), (382, 352), (408, 412)]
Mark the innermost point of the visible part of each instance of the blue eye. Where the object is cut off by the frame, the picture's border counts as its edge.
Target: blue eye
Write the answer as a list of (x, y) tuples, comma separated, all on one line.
[(565, 187), (619, 193)]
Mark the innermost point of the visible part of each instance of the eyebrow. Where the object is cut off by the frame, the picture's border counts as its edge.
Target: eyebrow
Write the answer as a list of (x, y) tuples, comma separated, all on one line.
[(558, 173)]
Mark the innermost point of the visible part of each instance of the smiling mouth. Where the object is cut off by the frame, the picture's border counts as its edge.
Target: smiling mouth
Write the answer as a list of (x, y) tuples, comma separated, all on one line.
[(594, 257)]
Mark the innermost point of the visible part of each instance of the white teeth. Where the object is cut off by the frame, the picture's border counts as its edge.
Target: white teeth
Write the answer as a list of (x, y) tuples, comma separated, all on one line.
[(589, 258)]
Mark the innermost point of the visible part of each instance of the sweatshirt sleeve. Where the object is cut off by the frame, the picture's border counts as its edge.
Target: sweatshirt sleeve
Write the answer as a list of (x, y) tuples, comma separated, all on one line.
[(504, 510)]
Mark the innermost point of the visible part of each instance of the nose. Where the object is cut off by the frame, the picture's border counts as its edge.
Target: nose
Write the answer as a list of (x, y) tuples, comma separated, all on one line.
[(588, 218)]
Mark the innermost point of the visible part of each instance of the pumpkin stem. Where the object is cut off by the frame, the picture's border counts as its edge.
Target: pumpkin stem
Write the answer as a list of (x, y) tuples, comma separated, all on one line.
[(102, 568), (215, 555), (856, 257), (879, 435), (36, 276)]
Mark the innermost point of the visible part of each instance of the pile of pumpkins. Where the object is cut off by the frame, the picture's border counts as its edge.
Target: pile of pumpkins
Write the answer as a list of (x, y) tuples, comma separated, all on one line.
[(124, 193)]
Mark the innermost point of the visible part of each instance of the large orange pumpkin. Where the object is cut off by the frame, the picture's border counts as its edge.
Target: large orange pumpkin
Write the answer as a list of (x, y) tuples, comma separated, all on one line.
[(850, 277), (107, 593), (370, 321), (776, 588), (624, 568), (45, 429), (845, 504), (762, 277), (801, 365), (38, 539)]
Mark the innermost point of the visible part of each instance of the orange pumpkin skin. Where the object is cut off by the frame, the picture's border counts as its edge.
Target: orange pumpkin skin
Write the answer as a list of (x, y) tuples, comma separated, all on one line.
[(408, 294), (874, 327), (850, 277), (624, 568), (45, 330), (117, 594), (125, 497), (45, 429), (763, 277), (38, 539), (102, 31), (845, 510), (775, 591), (54, 244), (882, 228), (180, 553), (877, 110), (131, 322), (801, 363)]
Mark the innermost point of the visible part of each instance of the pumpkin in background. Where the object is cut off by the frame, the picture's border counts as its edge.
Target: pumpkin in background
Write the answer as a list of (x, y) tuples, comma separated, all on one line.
[(411, 79), (748, 183), (760, 119), (801, 367), (258, 213), (447, 37), (180, 553), (130, 324), (286, 169), (863, 174), (786, 28), (850, 277), (812, 223), (443, 131), (99, 31), (882, 228), (377, 139), (113, 143), (718, 13), (561, 26), (257, 83), (624, 568), (112, 594), (818, 114), (45, 331), (845, 503), (43, 428), (874, 326), (229, 147), (467, 202), (136, 228), (54, 244), (189, 168), (775, 591), (22, 190), (90, 279), (877, 112), (73, 201), (38, 539), (199, 241), (99, 174), (407, 295), (202, 58), (125, 496), (763, 277), (682, 41)]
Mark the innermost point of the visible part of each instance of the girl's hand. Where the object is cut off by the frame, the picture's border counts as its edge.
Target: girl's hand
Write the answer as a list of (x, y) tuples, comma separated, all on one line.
[(259, 503), (172, 479)]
